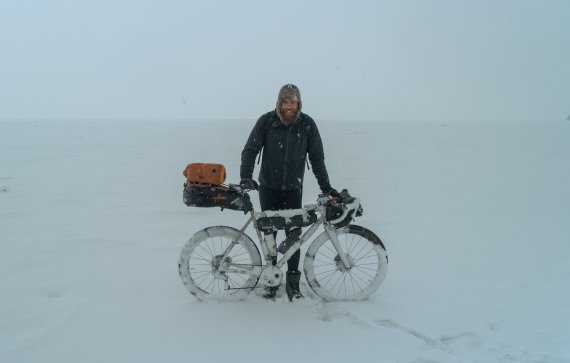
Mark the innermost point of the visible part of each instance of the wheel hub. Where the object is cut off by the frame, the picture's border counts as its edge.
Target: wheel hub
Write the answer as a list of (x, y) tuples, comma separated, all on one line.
[(340, 265), (218, 262)]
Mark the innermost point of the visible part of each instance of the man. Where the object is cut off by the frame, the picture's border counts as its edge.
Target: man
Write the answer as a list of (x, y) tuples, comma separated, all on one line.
[(286, 136)]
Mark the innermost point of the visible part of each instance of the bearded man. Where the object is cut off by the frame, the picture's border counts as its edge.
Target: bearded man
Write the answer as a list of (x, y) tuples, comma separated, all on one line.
[(285, 137)]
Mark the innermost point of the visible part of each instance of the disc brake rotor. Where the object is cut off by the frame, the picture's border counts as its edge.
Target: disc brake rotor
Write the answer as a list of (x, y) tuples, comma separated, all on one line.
[(340, 265)]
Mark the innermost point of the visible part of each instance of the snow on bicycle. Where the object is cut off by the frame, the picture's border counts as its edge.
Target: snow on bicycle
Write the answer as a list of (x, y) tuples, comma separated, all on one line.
[(343, 262)]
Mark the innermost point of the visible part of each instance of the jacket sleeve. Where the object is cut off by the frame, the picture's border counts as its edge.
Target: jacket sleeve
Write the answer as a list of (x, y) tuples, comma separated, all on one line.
[(317, 155), (252, 147)]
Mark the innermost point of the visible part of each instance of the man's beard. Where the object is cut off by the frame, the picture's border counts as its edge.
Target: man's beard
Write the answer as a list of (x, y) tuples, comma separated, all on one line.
[(289, 116)]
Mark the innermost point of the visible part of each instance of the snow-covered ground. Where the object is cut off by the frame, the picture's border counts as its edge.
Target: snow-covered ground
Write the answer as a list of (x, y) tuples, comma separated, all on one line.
[(475, 218)]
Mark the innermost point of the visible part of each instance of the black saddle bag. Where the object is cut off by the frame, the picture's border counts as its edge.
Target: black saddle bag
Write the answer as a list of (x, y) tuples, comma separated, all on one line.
[(216, 196)]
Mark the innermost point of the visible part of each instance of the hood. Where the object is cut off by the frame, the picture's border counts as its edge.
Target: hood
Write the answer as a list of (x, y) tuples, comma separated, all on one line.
[(288, 92)]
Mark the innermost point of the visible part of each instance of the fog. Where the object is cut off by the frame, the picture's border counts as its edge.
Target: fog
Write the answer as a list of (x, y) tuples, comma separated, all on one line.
[(353, 60)]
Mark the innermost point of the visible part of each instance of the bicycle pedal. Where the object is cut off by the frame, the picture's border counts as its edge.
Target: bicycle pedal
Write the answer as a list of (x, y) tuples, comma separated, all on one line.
[(270, 293)]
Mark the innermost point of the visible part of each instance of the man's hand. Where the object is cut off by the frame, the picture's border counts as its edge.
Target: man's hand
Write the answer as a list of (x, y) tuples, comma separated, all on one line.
[(330, 191), (248, 184)]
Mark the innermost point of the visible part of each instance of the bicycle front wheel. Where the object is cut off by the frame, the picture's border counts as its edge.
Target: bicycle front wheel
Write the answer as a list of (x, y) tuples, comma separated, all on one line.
[(331, 280), (208, 275)]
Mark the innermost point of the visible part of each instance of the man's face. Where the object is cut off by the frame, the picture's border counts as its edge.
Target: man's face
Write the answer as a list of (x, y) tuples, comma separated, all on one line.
[(289, 109)]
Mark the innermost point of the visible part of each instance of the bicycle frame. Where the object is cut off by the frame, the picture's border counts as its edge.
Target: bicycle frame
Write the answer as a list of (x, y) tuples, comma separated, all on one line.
[(269, 246)]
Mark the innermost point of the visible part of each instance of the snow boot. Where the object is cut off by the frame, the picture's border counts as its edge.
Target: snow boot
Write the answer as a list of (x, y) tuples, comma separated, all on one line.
[(292, 285)]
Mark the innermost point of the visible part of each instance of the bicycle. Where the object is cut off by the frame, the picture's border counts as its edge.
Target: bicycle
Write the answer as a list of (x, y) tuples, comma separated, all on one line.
[(344, 262)]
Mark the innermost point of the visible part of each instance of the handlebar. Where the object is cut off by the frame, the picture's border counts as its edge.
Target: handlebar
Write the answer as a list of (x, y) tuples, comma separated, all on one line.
[(347, 202), (347, 208), (239, 189)]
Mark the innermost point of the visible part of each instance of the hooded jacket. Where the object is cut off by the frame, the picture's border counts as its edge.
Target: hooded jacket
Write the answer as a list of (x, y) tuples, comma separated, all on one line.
[(285, 150)]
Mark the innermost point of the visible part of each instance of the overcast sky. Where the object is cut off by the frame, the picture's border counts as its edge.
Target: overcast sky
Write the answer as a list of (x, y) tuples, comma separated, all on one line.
[(352, 60)]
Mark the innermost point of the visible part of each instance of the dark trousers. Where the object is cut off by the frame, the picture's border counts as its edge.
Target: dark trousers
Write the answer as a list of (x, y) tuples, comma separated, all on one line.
[(271, 199)]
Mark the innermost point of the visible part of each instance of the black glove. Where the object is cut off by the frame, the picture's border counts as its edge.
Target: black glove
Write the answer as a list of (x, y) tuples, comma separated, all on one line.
[(330, 191), (249, 184)]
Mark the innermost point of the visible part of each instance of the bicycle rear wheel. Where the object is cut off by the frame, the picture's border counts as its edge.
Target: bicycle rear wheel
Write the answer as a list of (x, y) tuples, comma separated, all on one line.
[(209, 276), (329, 278)]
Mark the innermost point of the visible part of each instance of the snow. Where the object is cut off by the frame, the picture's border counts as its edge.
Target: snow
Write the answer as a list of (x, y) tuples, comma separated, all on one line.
[(474, 217)]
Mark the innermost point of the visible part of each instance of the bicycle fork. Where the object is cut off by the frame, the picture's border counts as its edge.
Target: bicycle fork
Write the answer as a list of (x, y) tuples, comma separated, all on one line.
[(334, 239)]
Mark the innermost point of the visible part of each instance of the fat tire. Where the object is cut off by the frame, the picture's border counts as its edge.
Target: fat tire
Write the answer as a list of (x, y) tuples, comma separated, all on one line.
[(198, 255), (327, 277)]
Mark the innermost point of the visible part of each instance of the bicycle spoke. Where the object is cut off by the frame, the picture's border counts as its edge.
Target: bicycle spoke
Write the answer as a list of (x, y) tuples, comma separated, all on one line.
[(354, 281), (361, 268), (363, 246), (327, 272), (358, 277)]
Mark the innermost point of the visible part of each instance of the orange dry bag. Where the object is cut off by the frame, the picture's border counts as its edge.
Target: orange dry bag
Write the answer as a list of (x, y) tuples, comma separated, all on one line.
[(205, 174)]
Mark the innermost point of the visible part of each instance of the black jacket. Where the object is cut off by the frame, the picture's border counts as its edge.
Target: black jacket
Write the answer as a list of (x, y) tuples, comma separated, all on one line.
[(285, 150)]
